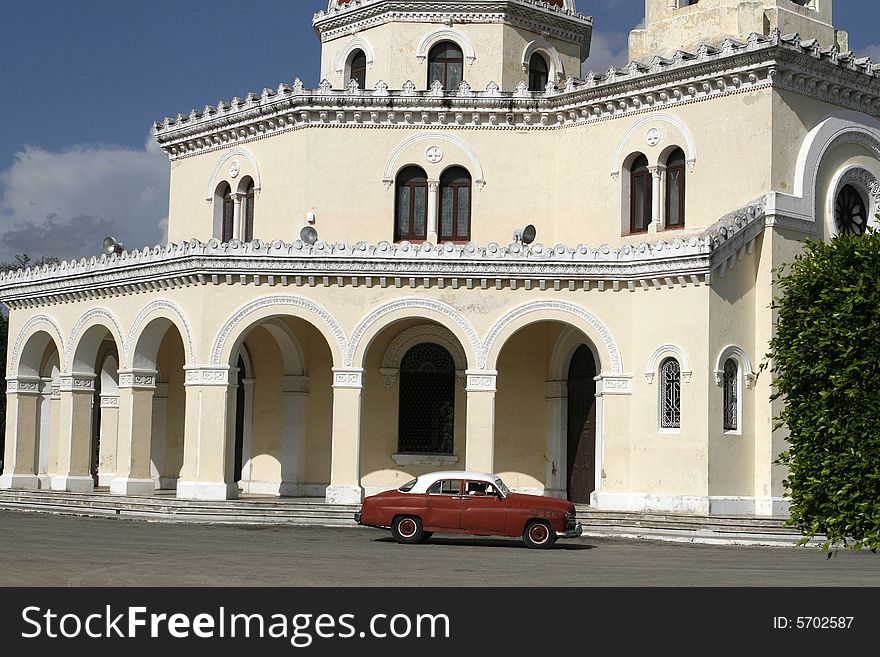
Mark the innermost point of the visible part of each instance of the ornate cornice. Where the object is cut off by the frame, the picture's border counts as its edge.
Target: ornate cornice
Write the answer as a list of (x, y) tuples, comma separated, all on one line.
[(678, 261), (783, 62)]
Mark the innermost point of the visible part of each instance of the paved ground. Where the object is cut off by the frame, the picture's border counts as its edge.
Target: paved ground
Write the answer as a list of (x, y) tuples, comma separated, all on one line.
[(50, 550)]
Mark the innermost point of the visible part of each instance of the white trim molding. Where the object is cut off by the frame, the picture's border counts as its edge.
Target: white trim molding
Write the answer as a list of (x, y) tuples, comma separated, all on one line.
[(446, 34), (732, 351), (689, 147), (391, 167), (543, 46), (433, 333), (669, 350), (238, 151), (355, 43)]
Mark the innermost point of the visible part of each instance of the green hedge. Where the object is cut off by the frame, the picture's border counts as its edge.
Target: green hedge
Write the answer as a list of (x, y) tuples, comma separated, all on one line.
[(826, 367)]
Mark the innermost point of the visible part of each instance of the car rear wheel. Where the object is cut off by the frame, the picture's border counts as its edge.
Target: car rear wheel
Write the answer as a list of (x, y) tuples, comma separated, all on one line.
[(407, 529), (539, 534)]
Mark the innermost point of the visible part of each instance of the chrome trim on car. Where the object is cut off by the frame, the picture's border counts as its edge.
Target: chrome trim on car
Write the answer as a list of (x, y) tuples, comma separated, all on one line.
[(571, 533)]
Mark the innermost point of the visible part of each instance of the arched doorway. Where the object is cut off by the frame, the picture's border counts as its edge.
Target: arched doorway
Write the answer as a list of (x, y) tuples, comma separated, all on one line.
[(426, 420), (238, 459), (581, 459)]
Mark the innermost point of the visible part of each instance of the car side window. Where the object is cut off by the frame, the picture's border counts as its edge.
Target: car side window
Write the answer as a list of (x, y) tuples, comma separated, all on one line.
[(480, 489), (445, 487)]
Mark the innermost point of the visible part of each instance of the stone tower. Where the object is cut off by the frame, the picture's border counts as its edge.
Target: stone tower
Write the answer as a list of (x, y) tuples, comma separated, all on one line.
[(672, 25), (390, 42)]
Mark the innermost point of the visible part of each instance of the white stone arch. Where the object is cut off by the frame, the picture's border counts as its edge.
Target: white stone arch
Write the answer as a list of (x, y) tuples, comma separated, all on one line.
[(78, 347), (218, 176), (569, 341), (738, 354), (410, 308), (446, 34), (416, 335), (663, 352), (355, 43), (392, 167), (608, 360), (689, 147), (292, 358), (36, 324), (273, 306), (154, 310), (543, 46)]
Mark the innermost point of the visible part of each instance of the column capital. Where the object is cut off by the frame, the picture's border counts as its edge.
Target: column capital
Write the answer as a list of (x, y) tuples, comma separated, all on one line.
[(137, 379), (614, 384), (110, 401), (556, 389), (348, 377), (481, 380), (23, 385), (207, 375), (78, 382)]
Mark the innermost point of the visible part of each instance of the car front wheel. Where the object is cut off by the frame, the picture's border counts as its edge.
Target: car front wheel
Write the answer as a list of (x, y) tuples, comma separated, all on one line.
[(539, 534), (407, 529)]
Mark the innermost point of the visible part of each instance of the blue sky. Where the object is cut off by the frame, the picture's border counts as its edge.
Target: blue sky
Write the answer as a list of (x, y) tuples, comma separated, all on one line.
[(83, 80)]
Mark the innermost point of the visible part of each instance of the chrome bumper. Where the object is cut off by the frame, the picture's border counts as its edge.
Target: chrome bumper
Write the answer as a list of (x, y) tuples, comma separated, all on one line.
[(571, 533), (357, 517)]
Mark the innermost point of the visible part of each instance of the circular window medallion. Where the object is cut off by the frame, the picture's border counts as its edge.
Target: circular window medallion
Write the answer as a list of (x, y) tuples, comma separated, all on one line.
[(652, 138), (434, 154), (850, 212), (234, 169)]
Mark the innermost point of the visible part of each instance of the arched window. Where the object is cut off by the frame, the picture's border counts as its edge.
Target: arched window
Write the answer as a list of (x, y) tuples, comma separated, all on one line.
[(455, 205), (539, 73), (411, 211), (426, 414), (248, 213), (446, 63), (730, 384), (358, 69), (675, 189), (670, 394), (640, 191), (227, 216), (850, 212)]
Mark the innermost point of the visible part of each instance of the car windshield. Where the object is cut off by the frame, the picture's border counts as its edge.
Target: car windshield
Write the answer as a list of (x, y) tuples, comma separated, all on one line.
[(500, 486), (408, 486)]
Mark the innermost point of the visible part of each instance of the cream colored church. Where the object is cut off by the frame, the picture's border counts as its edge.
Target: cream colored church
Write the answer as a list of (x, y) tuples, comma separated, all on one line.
[(457, 252)]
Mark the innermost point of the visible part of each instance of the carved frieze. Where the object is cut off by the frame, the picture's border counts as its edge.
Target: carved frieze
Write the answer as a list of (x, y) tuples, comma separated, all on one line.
[(352, 377)]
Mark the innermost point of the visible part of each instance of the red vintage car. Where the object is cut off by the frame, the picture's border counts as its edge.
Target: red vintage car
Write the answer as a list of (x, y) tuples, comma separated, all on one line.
[(460, 502)]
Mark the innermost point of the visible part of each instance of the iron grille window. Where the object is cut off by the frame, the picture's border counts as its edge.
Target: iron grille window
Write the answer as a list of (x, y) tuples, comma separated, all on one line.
[(670, 389), (426, 416), (731, 403), (850, 213)]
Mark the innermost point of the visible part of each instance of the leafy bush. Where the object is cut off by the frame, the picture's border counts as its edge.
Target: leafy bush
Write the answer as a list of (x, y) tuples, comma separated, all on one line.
[(826, 366)]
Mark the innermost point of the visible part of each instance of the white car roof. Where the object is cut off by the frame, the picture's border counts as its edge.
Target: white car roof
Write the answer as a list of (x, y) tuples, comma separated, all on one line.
[(425, 480)]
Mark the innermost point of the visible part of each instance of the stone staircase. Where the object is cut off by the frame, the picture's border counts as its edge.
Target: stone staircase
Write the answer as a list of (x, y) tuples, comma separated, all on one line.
[(262, 510)]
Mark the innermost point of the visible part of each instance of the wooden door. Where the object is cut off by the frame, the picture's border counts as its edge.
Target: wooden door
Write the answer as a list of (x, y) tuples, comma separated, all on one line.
[(581, 426)]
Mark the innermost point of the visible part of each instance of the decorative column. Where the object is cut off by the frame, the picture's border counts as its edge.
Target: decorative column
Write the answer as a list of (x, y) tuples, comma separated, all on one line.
[(656, 205), (75, 433), (54, 433), (247, 438), (41, 458), (294, 403), (345, 487), (136, 389), (108, 466), (480, 440), (22, 398), (159, 469), (236, 215), (207, 444), (433, 210), (557, 440)]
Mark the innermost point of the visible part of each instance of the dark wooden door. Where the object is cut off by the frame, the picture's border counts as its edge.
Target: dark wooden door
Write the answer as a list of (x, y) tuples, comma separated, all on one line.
[(581, 425)]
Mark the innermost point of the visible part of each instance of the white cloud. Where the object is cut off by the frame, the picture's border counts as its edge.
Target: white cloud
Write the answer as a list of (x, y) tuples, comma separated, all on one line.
[(64, 203), (607, 49), (872, 51)]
